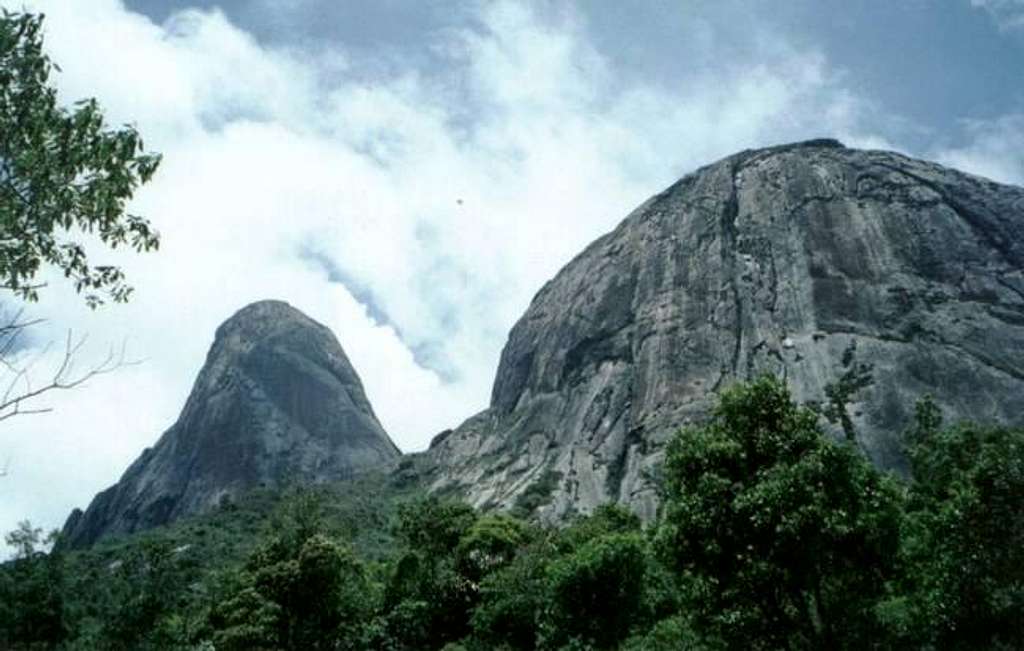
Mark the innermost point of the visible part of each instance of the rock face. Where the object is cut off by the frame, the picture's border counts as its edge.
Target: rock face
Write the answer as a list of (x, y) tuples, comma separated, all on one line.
[(276, 402), (777, 260)]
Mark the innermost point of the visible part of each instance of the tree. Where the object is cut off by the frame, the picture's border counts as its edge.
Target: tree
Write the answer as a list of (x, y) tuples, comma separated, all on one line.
[(429, 599), (144, 590), (595, 595), (489, 543), (61, 171), (17, 388), (856, 377), (963, 537), (587, 584), (299, 589), (512, 597), (64, 177), (295, 594), (782, 537), (672, 634), (27, 540), (31, 596)]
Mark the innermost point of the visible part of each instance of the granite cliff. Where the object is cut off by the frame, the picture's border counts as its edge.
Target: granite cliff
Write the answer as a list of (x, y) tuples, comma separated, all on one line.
[(783, 260), (804, 260), (276, 402)]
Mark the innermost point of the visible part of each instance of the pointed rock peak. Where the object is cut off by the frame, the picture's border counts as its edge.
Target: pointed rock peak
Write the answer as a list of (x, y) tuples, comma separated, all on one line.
[(270, 307), (256, 319), (276, 402), (262, 320)]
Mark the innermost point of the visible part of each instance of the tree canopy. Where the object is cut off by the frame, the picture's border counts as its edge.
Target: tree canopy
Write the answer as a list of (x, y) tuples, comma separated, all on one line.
[(772, 535), (786, 538)]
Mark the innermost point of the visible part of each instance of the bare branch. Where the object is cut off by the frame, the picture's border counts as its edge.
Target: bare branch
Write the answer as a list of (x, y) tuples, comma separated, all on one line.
[(19, 389)]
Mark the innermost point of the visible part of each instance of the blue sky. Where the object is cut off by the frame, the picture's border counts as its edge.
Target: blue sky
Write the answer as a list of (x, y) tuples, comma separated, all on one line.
[(410, 173)]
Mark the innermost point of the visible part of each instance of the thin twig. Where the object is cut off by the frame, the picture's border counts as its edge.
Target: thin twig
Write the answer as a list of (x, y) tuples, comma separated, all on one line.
[(20, 389)]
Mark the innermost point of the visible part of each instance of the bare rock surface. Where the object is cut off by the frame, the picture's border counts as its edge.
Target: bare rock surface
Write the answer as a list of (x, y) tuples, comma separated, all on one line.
[(277, 402), (776, 260)]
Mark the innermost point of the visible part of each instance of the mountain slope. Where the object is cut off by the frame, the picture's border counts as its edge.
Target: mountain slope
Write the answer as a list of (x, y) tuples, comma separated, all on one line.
[(784, 260), (276, 402)]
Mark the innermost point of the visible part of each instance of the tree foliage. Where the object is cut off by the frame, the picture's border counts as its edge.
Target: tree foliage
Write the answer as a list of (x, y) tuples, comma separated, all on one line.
[(963, 537), (299, 589), (772, 535), (784, 537), (856, 376), (595, 595), (306, 596), (31, 598), (61, 172)]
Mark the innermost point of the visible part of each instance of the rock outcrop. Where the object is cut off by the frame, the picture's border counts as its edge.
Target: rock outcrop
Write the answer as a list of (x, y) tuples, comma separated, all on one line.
[(276, 402), (778, 260)]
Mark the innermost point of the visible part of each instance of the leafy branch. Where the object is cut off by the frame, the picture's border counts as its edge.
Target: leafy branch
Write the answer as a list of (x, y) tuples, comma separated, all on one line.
[(62, 171)]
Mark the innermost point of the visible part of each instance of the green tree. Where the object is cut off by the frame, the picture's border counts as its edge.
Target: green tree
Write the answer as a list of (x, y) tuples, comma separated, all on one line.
[(606, 519), (143, 591), (781, 537), (595, 595), (673, 634), (27, 540), (300, 589), (65, 178), (428, 599), (856, 377), (963, 540), (433, 526), (31, 592), (512, 597), (313, 597), (61, 171), (585, 584), (490, 543)]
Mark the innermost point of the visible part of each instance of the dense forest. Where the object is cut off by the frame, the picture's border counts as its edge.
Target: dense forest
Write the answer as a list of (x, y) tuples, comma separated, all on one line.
[(771, 535)]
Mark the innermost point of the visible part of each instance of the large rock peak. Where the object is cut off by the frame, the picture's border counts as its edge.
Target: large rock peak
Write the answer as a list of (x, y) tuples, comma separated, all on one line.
[(261, 319), (276, 402), (781, 260)]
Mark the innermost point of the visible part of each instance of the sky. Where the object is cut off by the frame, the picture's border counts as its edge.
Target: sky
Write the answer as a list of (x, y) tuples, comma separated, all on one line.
[(410, 173)]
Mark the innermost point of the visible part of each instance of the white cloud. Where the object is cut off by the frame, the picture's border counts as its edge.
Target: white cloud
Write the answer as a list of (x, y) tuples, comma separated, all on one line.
[(1007, 14), (994, 149), (444, 198)]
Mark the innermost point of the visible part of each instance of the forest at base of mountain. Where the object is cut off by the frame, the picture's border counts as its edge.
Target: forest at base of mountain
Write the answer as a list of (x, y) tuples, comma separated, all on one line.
[(771, 534)]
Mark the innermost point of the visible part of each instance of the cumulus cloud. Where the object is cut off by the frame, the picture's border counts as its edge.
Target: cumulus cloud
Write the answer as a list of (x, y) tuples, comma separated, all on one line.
[(414, 211)]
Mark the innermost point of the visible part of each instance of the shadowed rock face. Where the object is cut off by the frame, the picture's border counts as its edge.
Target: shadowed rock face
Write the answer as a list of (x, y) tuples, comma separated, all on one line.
[(776, 260), (276, 402)]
